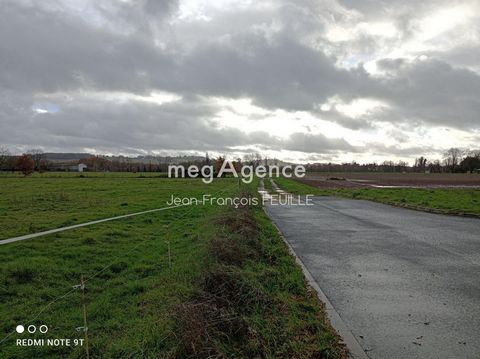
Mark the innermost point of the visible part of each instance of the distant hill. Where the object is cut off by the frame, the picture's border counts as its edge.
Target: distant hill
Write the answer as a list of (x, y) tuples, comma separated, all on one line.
[(64, 157), (156, 159), (74, 157), (70, 157)]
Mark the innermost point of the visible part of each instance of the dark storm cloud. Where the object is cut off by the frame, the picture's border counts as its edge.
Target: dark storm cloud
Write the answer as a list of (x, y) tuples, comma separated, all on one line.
[(362, 122), (48, 51), (123, 126), (176, 126), (280, 75), (277, 55), (431, 91), (43, 51), (318, 143)]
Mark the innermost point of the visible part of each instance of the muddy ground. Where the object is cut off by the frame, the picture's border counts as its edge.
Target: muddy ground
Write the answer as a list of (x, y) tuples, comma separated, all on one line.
[(372, 180)]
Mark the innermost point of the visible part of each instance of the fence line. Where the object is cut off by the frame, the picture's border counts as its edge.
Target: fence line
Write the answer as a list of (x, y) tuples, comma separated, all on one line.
[(62, 229), (109, 265)]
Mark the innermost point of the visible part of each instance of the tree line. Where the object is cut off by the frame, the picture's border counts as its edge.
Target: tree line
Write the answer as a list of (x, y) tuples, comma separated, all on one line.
[(454, 160)]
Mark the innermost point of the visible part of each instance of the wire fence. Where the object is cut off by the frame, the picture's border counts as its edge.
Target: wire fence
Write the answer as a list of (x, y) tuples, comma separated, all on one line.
[(168, 259)]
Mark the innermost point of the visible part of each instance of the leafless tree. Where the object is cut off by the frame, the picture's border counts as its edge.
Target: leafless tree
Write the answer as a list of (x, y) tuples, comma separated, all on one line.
[(388, 166), (452, 158), (4, 155), (38, 157), (254, 158), (421, 164), (401, 166), (435, 166)]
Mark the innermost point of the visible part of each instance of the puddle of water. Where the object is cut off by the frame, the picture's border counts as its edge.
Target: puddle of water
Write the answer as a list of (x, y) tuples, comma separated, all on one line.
[(425, 186), (361, 180)]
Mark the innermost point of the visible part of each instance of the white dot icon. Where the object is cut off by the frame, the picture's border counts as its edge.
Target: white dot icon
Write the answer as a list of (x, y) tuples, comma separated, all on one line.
[(20, 329)]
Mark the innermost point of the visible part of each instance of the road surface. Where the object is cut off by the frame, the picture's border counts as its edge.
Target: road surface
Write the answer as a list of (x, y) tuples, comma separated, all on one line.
[(406, 283)]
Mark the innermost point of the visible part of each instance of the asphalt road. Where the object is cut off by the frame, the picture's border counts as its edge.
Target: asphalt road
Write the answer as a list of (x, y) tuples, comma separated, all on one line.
[(406, 283)]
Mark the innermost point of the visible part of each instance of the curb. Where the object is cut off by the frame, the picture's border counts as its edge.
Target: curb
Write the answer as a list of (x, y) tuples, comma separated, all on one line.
[(355, 349)]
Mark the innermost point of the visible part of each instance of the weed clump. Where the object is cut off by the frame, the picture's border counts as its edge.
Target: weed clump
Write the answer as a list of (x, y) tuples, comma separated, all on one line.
[(237, 241), (252, 301), (200, 323)]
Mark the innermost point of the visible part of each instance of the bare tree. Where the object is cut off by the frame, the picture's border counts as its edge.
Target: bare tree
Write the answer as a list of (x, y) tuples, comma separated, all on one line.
[(452, 158), (388, 166), (4, 155), (421, 164), (254, 158), (401, 166), (38, 157), (435, 166)]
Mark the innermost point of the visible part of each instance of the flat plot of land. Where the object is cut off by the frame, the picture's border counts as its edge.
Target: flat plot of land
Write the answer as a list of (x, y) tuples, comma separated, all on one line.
[(405, 282), (130, 288), (194, 281), (367, 180)]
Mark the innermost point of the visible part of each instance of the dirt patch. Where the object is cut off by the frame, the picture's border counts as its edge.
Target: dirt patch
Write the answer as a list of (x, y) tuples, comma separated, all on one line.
[(372, 180)]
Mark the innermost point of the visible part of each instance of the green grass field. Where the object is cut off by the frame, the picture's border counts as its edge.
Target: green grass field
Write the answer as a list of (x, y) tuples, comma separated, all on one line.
[(229, 286), (34, 204), (460, 201), (75, 174)]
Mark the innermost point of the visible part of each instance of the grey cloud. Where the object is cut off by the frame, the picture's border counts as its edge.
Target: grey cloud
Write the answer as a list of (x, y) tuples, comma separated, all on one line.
[(462, 56), (318, 143), (53, 53), (410, 151), (50, 51), (160, 8), (362, 122), (280, 75), (277, 56), (176, 126), (123, 127), (433, 92)]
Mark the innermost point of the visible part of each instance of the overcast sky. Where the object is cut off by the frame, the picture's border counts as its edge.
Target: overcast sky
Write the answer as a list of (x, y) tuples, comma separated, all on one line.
[(326, 80)]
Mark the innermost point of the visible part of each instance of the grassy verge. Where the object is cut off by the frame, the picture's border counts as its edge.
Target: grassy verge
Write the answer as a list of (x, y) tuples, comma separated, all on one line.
[(196, 281), (439, 200), (253, 301)]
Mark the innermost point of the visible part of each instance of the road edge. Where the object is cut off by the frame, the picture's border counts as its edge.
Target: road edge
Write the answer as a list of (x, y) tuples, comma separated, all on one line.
[(354, 347)]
